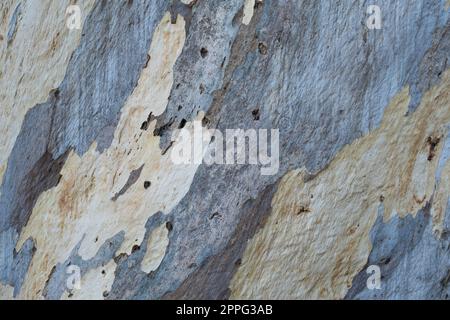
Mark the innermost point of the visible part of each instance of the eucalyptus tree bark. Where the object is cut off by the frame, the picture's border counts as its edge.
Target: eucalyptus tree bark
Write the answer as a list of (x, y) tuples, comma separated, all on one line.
[(348, 200)]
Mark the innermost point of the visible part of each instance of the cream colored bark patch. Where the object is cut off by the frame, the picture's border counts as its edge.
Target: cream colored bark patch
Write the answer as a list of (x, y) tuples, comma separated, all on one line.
[(317, 237), (6, 292), (95, 284), (156, 249), (440, 200), (34, 62), (81, 208), (248, 11)]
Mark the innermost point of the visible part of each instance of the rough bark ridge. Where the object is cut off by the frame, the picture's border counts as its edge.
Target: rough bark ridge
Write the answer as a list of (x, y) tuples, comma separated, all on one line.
[(89, 115)]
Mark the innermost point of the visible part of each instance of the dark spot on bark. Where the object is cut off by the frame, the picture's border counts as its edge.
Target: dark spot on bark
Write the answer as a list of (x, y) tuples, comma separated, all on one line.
[(147, 184), (204, 52), (256, 114), (205, 121), (182, 124), (56, 93), (433, 143), (169, 226), (303, 209), (215, 215), (146, 123), (147, 61), (135, 248), (262, 47), (223, 62), (258, 4)]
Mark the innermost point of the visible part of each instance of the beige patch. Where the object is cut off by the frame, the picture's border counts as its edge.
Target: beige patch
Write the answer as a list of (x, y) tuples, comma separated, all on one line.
[(6, 292), (42, 43), (317, 237), (2, 172), (440, 200), (95, 284), (80, 207), (156, 249), (248, 11)]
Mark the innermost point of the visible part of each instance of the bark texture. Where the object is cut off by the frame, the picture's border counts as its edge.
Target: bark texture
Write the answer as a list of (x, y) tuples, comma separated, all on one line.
[(88, 118)]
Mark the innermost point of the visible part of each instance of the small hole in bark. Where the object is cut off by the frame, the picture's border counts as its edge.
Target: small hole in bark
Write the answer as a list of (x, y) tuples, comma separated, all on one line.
[(256, 114), (105, 294), (203, 52), (205, 122), (147, 184), (182, 124), (103, 272), (146, 123), (180, 107), (433, 143), (202, 89), (147, 61), (169, 226), (262, 47), (215, 215), (135, 248)]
